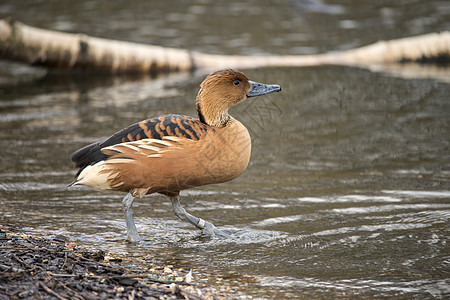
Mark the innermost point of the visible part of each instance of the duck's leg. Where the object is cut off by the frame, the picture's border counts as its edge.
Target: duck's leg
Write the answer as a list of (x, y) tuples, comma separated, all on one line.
[(127, 202), (206, 227)]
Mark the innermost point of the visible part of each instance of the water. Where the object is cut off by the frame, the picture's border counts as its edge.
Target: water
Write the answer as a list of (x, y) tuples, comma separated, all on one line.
[(347, 193)]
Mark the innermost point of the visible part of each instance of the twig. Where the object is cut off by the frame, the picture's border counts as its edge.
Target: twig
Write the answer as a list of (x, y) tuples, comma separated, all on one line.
[(6, 268), (65, 261), (175, 289), (118, 277), (20, 261), (33, 249), (189, 295), (145, 276), (62, 275), (51, 292), (73, 294), (81, 257)]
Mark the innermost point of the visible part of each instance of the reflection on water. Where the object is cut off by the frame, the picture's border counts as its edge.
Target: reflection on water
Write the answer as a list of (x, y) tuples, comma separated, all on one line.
[(347, 193)]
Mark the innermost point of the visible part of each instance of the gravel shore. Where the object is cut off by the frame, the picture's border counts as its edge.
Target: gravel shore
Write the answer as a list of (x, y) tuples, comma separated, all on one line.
[(40, 266)]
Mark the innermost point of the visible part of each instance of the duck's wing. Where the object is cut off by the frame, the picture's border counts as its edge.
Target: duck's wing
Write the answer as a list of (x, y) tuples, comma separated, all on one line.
[(156, 128), (142, 166)]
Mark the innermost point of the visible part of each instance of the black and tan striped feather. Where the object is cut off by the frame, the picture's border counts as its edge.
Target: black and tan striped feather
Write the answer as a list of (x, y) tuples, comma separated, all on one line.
[(155, 128)]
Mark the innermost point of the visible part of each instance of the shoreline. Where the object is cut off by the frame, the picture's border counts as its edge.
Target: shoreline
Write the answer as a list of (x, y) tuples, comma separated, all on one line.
[(48, 266)]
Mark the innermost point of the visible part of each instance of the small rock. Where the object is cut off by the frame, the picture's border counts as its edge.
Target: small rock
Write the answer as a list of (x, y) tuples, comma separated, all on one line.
[(174, 288), (127, 281), (189, 277)]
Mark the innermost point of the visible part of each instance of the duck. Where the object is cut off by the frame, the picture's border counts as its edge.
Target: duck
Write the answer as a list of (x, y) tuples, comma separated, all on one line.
[(171, 153)]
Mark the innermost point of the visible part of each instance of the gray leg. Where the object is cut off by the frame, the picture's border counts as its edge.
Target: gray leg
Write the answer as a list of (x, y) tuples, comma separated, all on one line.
[(127, 202), (207, 228)]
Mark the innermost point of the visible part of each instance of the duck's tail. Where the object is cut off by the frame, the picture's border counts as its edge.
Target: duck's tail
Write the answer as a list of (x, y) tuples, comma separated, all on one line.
[(75, 182)]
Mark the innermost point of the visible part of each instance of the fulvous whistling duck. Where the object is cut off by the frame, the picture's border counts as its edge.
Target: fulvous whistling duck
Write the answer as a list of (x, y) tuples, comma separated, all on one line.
[(171, 153)]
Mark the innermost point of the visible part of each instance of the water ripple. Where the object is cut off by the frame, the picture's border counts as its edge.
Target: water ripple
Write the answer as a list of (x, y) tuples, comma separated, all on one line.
[(433, 287), (419, 194), (31, 186), (387, 208)]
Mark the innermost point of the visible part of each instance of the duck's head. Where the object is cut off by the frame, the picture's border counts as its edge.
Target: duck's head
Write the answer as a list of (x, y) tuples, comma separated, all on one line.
[(224, 89)]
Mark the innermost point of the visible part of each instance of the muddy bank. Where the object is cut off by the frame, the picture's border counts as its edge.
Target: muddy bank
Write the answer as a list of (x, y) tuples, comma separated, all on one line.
[(40, 266)]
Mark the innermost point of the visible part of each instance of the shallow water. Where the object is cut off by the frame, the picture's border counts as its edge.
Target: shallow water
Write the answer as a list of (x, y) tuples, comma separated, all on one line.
[(347, 193)]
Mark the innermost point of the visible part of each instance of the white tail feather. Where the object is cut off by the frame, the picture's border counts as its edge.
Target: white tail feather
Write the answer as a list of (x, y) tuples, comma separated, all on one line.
[(92, 177)]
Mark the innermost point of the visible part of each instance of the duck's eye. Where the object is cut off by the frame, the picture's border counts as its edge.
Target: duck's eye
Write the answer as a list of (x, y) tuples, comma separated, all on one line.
[(236, 82)]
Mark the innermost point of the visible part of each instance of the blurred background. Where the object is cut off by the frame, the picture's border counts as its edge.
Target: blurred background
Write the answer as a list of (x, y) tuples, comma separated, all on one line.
[(348, 189)]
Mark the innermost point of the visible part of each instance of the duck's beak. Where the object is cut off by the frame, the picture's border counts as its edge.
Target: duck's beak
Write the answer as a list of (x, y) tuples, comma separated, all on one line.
[(258, 89)]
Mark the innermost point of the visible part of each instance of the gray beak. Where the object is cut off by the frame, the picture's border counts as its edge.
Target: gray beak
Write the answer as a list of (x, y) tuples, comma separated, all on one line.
[(258, 89)]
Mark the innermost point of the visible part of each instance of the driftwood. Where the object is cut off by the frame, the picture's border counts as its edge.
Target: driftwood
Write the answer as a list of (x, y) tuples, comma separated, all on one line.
[(41, 47)]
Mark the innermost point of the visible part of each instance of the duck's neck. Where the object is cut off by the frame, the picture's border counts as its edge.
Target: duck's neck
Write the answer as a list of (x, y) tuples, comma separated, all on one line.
[(211, 112)]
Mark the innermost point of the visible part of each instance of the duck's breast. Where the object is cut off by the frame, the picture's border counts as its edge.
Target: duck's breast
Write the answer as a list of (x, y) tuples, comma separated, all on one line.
[(224, 153)]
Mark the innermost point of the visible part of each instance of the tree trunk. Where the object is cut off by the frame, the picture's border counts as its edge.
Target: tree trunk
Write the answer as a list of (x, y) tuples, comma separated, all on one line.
[(36, 46)]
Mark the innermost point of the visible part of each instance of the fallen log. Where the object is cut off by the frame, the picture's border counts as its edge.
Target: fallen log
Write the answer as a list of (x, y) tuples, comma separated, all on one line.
[(433, 47), (40, 47)]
